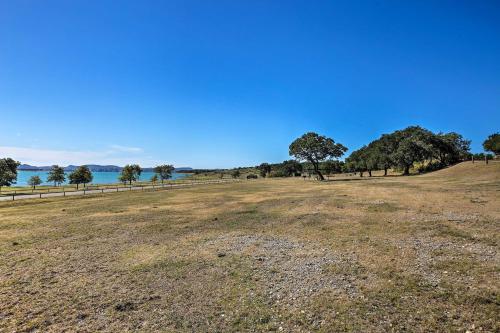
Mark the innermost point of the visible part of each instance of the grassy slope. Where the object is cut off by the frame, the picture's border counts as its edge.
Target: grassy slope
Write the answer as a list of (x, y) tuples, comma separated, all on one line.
[(413, 253)]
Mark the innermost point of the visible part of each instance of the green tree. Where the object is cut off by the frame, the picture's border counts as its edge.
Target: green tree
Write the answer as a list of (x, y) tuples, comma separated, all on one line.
[(449, 148), (290, 168), (164, 171), (8, 171), (34, 181), (410, 150), (81, 175), (315, 148), (331, 166), (154, 178), (130, 173), (414, 145), (492, 144), (406, 147), (236, 173), (371, 159), (384, 147), (264, 169), (356, 162), (56, 175)]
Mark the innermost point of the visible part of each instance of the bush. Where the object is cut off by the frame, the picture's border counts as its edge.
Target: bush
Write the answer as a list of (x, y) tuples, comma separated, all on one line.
[(252, 176), (279, 173), (429, 167)]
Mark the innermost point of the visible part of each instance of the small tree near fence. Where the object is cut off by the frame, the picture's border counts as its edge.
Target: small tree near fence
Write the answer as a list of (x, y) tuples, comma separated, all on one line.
[(34, 181), (81, 175)]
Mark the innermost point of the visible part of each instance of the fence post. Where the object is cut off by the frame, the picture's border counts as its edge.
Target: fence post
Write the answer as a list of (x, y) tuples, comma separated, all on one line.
[(486, 159), (13, 197), (83, 191), (40, 195), (64, 193)]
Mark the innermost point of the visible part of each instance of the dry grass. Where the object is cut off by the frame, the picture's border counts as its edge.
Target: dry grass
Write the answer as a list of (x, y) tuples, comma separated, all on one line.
[(413, 253)]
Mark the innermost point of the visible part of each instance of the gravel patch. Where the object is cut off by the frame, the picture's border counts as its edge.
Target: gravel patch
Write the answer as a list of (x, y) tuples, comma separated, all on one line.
[(291, 272)]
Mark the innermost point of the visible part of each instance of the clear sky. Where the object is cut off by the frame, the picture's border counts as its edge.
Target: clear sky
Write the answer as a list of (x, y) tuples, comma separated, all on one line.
[(232, 83)]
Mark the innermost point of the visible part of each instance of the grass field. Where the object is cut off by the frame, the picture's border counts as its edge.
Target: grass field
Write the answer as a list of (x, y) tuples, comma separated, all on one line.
[(416, 254)]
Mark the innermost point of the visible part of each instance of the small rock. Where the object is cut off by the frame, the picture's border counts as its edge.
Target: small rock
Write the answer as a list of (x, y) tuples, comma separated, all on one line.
[(221, 254), (81, 316), (127, 306), (15, 243)]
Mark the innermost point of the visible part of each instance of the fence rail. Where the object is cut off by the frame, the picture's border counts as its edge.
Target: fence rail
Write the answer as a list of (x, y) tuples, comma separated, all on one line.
[(110, 189)]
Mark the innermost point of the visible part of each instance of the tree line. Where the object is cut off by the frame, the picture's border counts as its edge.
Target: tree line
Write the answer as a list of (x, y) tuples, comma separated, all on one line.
[(400, 150), (403, 149), (81, 175)]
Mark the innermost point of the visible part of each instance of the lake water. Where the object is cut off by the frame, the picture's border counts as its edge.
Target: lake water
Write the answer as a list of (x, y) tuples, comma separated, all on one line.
[(99, 177)]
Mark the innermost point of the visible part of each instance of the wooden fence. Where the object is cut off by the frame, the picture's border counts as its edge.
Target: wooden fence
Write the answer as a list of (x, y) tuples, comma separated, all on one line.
[(110, 189)]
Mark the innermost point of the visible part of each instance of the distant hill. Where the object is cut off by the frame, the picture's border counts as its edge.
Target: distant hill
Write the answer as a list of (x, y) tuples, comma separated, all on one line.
[(92, 167)]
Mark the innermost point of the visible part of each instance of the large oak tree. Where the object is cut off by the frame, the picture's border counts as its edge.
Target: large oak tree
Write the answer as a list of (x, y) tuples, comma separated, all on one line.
[(316, 148)]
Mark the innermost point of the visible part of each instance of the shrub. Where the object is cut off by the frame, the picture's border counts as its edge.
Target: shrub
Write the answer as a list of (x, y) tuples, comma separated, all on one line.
[(429, 167), (279, 173), (252, 176)]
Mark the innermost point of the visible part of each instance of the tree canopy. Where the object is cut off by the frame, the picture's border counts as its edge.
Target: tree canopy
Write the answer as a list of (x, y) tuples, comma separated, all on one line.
[(264, 169), (164, 171), (130, 173), (81, 175), (492, 143), (56, 175), (403, 148), (154, 178), (34, 181), (315, 148), (8, 171)]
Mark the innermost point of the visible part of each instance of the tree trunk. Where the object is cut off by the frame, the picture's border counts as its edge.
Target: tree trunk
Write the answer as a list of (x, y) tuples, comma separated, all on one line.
[(370, 173), (77, 186), (406, 171), (361, 173), (316, 169), (385, 171)]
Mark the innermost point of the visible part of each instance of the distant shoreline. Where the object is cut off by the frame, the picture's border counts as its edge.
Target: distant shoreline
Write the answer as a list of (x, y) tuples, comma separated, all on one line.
[(99, 177)]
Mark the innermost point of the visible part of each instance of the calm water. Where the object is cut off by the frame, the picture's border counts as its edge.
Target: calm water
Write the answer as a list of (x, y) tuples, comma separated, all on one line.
[(99, 177)]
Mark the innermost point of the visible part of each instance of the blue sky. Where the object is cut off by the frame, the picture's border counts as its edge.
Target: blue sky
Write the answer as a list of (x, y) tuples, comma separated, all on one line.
[(232, 83)]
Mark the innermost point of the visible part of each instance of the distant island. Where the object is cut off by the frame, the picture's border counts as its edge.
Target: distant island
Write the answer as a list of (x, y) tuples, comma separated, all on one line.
[(93, 168)]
